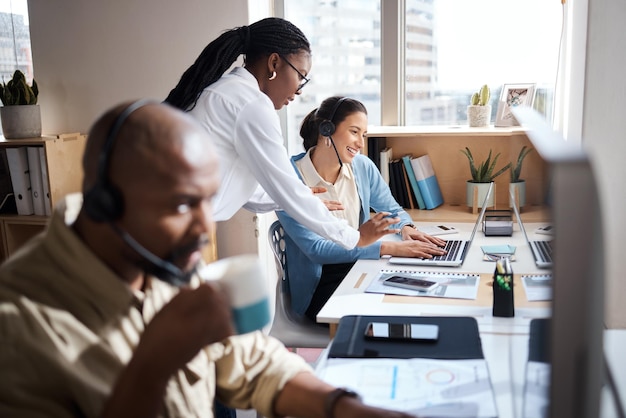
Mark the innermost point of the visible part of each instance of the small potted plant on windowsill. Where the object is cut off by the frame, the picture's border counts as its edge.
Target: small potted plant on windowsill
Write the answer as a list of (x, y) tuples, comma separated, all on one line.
[(517, 186), (21, 116), (479, 109), (482, 174)]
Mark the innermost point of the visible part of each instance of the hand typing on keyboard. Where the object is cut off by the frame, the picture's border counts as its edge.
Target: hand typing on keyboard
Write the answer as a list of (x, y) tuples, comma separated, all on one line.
[(410, 233), (411, 248)]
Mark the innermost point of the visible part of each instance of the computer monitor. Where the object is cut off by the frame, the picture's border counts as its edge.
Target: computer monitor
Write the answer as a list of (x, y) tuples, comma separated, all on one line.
[(576, 326)]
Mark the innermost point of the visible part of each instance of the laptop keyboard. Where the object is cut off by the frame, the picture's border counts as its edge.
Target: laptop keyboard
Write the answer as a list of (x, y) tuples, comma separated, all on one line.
[(452, 247), (544, 248)]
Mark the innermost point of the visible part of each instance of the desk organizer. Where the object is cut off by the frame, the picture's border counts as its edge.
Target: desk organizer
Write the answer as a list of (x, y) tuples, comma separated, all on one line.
[(503, 305), (498, 223)]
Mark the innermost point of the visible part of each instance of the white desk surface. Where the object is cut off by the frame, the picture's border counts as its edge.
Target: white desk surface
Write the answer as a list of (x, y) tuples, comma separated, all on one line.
[(504, 340), (350, 297)]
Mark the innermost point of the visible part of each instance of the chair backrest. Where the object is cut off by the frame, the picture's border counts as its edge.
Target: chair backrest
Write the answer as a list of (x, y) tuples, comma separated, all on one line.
[(290, 328)]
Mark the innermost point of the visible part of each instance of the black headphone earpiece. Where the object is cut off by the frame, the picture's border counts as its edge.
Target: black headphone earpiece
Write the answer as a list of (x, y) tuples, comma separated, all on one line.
[(104, 202), (327, 127)]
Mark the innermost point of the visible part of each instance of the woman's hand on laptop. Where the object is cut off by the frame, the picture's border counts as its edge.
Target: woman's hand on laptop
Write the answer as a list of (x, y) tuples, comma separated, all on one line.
[(410, 248), (410, 233)]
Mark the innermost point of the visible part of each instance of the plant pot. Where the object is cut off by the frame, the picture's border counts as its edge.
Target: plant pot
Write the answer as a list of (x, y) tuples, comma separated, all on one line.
[(483, 188), (478, 116), (23, 121), (518, 189)]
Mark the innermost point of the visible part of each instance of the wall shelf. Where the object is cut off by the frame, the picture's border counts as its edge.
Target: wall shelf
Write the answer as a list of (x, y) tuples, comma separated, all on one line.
[(443, 145)]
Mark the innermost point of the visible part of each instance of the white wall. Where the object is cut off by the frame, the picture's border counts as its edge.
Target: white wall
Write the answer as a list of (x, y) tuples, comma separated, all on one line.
[(604, 137), (91, 55)]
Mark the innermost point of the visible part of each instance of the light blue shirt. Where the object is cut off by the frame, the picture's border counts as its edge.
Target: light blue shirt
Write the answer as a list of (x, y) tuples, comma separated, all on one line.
[(307, 252)]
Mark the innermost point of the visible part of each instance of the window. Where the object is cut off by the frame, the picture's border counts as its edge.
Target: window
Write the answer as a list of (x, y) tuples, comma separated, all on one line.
[(15, 50), (345, 40), (450, 49), (455, 46)]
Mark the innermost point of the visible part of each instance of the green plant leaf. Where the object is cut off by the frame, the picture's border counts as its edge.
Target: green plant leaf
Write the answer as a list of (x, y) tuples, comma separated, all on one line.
[(516, 169), (17, 92), (483, 172)]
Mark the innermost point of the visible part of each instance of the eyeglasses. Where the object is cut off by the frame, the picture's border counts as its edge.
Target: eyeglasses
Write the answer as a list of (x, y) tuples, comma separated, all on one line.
[(302, 77)]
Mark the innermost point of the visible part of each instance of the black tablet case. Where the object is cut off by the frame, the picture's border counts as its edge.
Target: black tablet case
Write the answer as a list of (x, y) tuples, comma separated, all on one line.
[(458, 339)]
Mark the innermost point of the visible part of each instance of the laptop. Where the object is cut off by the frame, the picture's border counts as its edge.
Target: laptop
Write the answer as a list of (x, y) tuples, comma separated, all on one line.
[(456, 249), (541, 249)]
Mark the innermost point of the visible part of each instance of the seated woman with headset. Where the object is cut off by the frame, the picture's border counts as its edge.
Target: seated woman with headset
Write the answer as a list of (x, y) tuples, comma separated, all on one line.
[(333, 137)]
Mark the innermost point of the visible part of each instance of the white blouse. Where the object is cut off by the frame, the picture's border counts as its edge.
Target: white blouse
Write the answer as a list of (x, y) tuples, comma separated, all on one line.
[(343, 190), (245, 129)]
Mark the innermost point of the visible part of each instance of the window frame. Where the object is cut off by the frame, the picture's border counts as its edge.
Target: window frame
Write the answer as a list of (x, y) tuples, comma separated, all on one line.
[(569, 89)]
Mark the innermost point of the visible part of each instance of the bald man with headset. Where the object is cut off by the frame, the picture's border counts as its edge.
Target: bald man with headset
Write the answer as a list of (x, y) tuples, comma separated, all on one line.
[(101, 315)]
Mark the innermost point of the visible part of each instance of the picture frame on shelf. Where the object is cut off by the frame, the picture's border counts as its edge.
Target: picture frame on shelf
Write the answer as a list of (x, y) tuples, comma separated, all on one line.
[(513, 95)]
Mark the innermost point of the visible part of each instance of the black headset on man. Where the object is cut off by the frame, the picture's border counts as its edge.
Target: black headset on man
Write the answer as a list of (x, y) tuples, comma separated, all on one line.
[(104, 202), (327, 127)]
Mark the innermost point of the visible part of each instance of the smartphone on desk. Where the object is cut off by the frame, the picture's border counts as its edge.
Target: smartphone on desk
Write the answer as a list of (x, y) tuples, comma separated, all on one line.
[(412, 283), (402, 332)]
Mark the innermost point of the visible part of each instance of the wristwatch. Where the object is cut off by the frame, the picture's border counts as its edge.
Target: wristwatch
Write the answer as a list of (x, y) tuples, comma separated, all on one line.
[(411, 225), (333, 397)]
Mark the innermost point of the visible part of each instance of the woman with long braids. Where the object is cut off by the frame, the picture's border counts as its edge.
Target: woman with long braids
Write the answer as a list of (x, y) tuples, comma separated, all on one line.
[(238, 109)]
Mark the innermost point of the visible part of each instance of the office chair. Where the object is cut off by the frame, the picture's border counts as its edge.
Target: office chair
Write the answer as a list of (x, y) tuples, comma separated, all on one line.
[(291, 329)]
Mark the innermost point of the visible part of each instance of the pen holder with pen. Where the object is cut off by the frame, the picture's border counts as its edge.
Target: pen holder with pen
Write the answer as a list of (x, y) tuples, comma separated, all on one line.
[(503, 305)]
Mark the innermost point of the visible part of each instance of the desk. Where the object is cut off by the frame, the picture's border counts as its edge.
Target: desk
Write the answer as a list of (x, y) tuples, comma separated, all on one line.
[(504, 340), (350, 297)]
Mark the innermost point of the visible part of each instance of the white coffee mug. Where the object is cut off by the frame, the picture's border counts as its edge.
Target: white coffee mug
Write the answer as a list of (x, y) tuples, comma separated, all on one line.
[(243, 281)]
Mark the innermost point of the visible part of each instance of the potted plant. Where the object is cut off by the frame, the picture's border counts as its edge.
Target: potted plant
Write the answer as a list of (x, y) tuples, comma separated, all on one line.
[(517, 186), (482, 174), (21, 117), (479, 109)]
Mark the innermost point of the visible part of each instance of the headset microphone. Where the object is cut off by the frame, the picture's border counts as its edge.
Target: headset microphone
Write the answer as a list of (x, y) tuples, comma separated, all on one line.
[(327, 128), (104, 203), (336, 152), (164, 270)]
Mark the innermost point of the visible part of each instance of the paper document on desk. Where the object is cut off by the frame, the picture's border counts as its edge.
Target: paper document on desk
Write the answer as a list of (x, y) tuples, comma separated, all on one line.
[(424, 387), (538, 287), (451, 285)]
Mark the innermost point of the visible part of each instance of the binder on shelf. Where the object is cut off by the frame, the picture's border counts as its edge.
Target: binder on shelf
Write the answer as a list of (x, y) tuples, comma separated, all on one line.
[(411, 174), (395, 170), (45, 181), (427, 181), (20, 179), (458, 339), (392, 184), (385, 158), (36, 186), (7, 200), (412, 203), (374, 147)]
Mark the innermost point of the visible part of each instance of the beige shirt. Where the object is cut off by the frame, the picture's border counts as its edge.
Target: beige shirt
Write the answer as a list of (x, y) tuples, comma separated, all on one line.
[(69, 325), (344, 189)]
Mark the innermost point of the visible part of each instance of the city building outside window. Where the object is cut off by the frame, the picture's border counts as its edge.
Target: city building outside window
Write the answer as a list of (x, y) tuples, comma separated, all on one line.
[(450, 49), (15, 49)]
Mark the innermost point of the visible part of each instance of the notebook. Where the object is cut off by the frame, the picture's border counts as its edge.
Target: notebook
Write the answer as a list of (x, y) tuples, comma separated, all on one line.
[(541, 249), (456, 249)]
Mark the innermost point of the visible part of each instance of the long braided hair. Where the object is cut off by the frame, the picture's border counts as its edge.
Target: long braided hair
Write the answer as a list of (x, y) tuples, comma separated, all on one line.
[(258, 40)]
